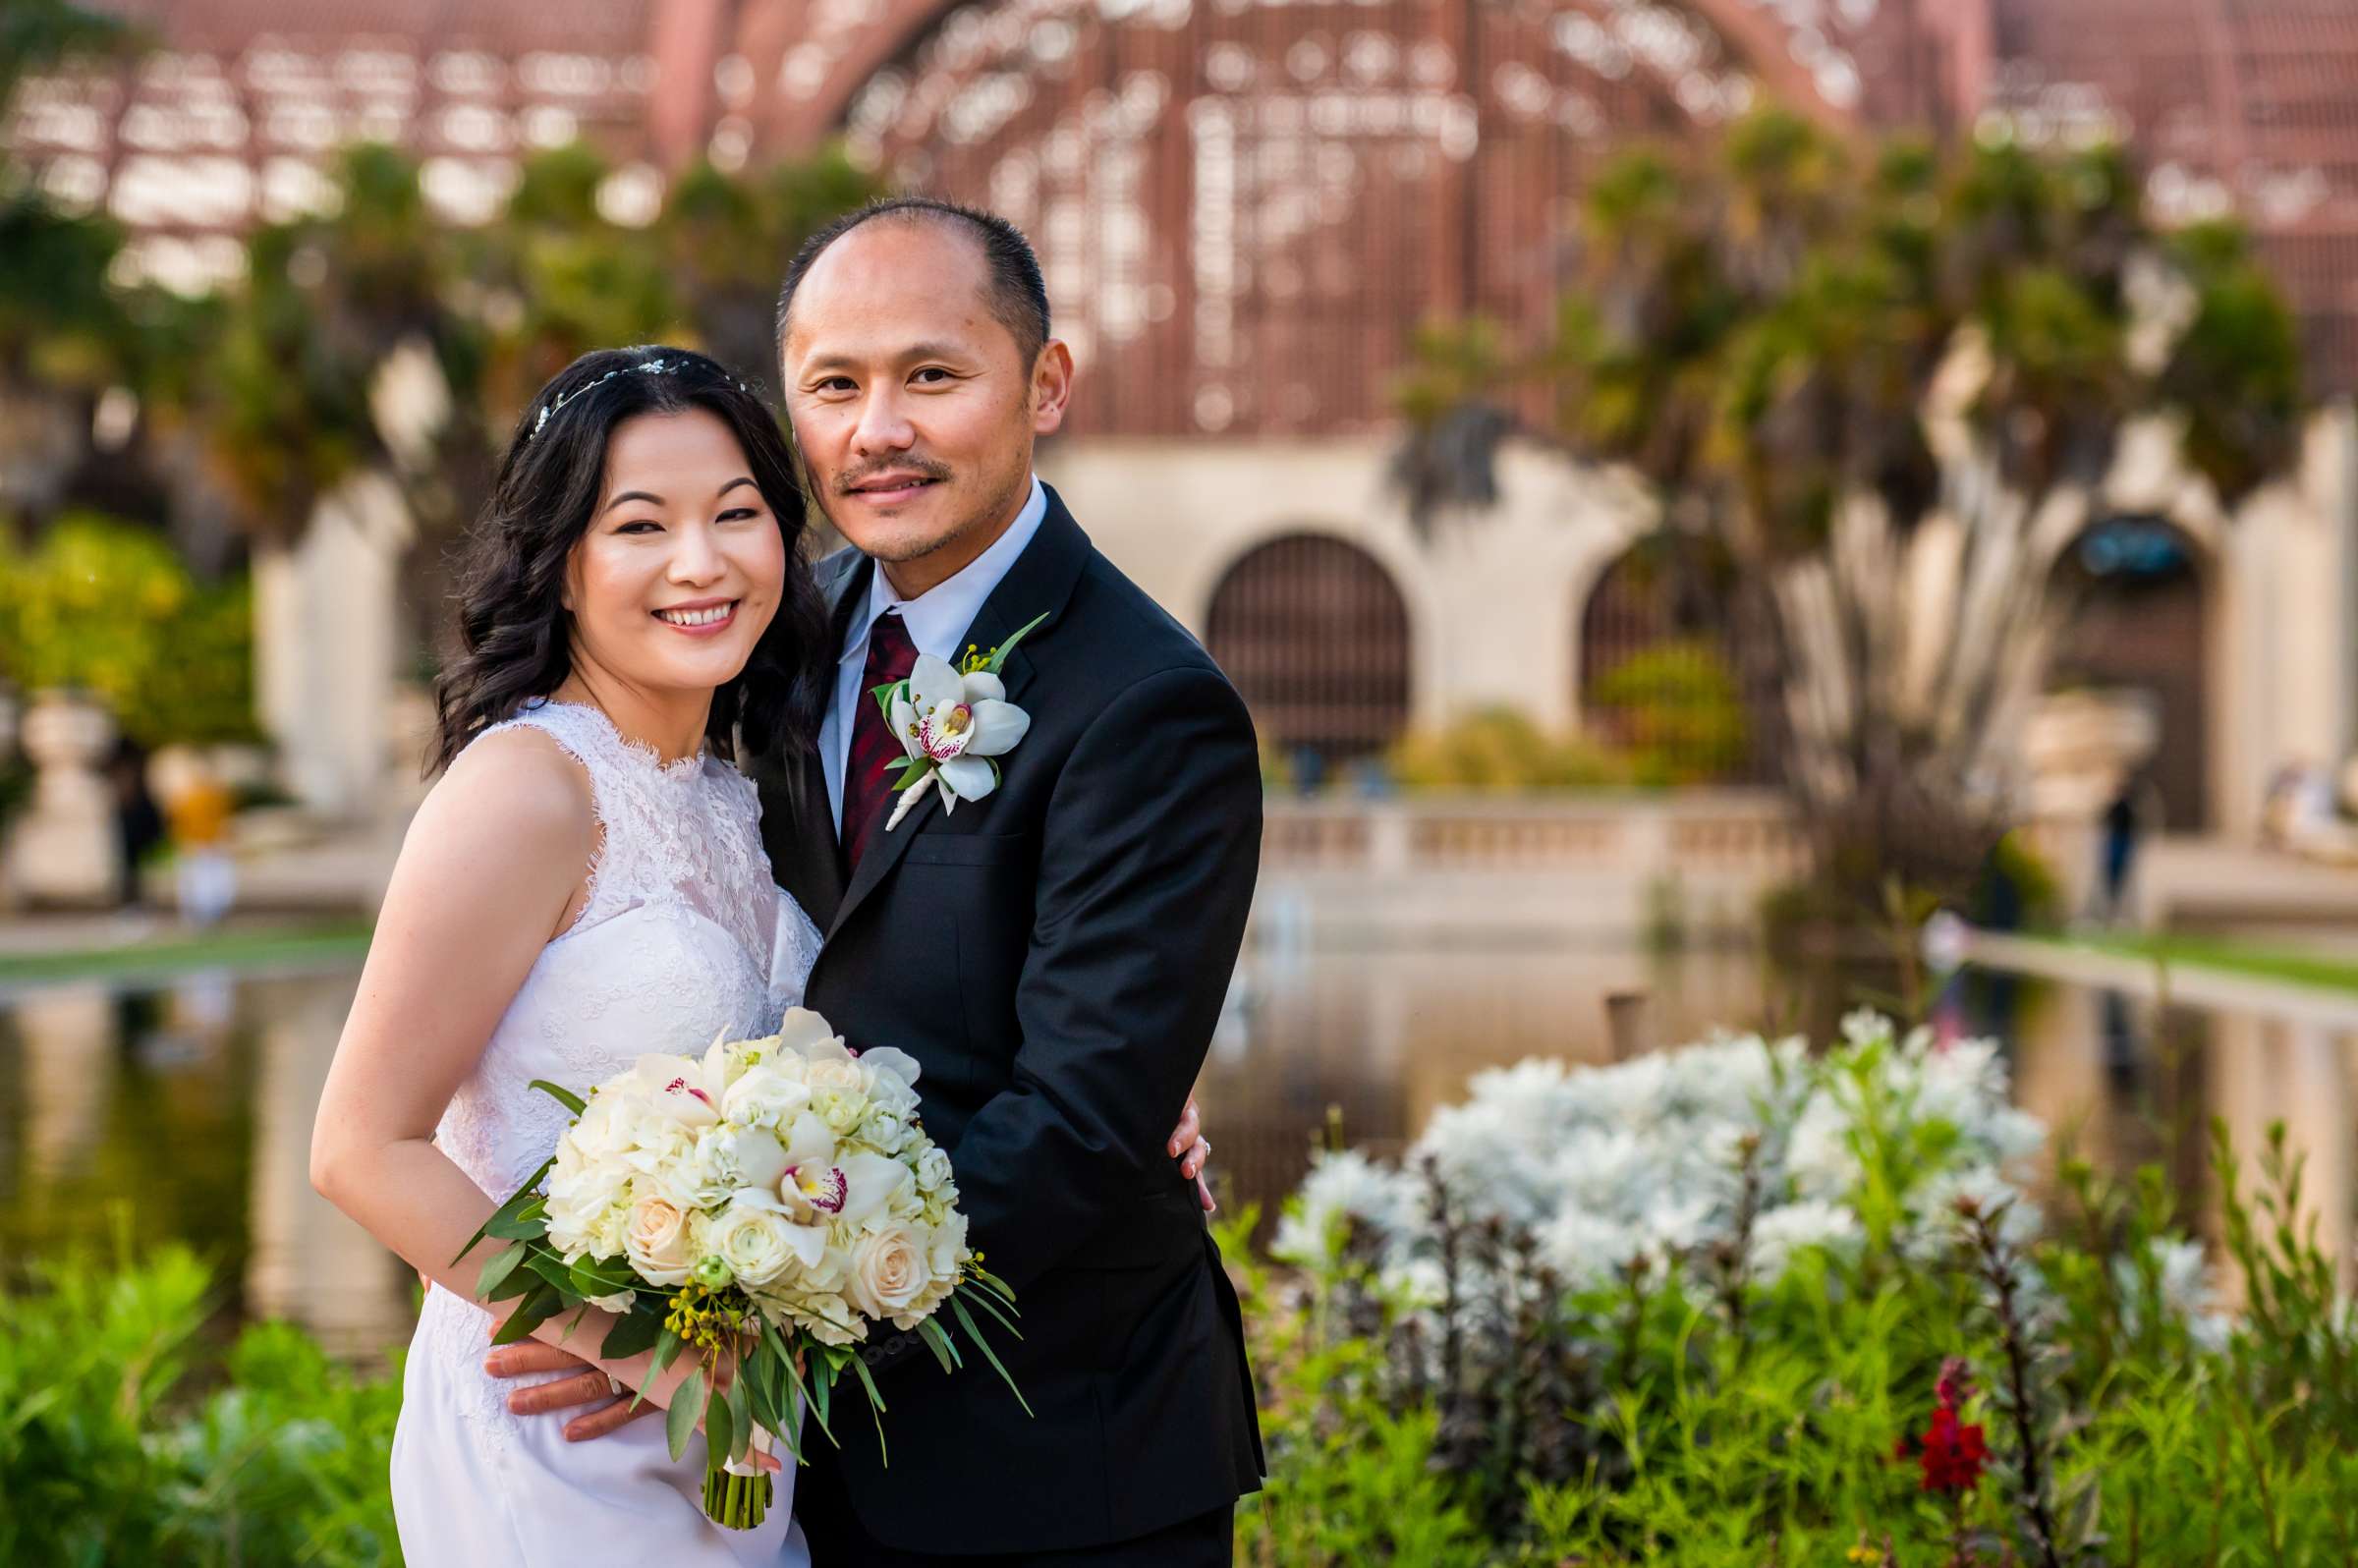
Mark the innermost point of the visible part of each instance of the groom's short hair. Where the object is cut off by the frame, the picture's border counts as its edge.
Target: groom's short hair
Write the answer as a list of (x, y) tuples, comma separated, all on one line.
[(1017, 293)]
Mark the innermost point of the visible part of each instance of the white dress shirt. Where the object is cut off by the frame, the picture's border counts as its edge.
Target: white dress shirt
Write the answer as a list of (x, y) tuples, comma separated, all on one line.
[(936, 619)]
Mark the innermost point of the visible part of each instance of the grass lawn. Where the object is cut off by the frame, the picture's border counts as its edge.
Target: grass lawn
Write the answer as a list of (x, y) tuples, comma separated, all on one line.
[(2321, 969), (324, 941)]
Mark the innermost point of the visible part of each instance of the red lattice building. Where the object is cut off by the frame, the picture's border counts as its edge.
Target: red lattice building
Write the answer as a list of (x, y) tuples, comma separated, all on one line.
[(1245, 206)]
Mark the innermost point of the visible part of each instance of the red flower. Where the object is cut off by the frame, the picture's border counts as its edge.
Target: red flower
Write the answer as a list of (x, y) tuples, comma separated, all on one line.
[(1952, 1454)]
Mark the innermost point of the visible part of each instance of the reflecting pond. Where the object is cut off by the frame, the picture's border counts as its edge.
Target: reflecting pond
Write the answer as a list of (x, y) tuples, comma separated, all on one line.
[(190, 1101)]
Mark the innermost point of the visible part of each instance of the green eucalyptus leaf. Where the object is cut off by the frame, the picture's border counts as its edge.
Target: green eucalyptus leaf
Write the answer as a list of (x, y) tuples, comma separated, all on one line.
[(720, 1429), (680, 1422), (633, 1331)]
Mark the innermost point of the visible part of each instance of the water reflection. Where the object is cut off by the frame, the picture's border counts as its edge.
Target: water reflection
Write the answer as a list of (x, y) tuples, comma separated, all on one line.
[(189, 1109), (194, 1102)]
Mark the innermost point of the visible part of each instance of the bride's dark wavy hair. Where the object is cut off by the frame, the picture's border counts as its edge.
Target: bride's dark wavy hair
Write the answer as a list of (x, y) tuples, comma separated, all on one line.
[(514, 634)]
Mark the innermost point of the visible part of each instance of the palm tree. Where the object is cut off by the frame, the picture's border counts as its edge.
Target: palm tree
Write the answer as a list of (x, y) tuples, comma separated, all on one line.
[(1846, 362)]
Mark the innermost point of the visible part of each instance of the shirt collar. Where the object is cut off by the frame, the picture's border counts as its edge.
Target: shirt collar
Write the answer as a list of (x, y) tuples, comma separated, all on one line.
[(940, 616)]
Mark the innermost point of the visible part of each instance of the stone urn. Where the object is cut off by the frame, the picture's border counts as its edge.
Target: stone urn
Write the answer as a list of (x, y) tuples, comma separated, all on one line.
[(64, 849)]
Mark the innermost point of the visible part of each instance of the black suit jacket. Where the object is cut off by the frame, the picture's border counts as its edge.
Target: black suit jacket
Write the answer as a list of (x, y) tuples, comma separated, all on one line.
[(1055, 956)]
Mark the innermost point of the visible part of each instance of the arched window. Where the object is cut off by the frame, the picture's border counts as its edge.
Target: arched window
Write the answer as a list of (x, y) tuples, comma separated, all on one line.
[(2133, 605), (1661, 674), (1315, 637)]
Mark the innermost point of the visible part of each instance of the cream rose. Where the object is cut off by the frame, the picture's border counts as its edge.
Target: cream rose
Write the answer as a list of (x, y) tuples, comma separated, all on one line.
[(757, 1245), (888, 1271), (657, 1243)]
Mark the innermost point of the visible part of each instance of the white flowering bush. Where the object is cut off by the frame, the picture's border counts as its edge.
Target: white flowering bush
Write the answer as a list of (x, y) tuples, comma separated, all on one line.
[(760, 1207), (1745, 1301), (1646, 1162)]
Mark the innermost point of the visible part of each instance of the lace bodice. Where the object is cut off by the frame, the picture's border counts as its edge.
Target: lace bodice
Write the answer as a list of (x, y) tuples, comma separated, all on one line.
[(684, 936)]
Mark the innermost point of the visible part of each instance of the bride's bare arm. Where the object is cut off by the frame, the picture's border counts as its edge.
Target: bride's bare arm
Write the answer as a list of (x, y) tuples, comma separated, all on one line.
[(492, 868)]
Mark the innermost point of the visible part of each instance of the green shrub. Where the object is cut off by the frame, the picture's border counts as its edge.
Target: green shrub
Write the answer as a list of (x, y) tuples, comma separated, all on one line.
[(1498, 749), (1676, 708), (106, 606), (126, 1436)]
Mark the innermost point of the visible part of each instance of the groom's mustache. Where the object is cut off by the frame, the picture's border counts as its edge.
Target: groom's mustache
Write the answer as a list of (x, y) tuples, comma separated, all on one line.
[(923, 468)]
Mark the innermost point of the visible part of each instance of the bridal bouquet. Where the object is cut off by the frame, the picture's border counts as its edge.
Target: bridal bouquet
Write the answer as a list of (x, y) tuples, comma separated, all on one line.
[(756, 1210)]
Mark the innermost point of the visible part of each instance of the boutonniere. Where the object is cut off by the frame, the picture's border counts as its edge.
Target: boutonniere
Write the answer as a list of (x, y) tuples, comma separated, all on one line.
[(954, 720)]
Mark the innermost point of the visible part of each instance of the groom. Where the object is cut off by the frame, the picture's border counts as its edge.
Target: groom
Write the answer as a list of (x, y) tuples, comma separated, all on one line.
[(1054, 954)]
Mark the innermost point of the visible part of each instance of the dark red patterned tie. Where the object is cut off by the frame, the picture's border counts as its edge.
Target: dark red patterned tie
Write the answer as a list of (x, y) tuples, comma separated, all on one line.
[(868, 774)]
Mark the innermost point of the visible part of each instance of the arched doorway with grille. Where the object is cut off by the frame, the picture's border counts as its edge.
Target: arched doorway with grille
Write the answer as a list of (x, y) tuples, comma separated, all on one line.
[(2132, 597), (1660, 668), (1314, 634)]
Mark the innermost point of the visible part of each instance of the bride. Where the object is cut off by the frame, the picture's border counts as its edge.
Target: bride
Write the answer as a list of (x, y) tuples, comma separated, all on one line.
[(585, 883)]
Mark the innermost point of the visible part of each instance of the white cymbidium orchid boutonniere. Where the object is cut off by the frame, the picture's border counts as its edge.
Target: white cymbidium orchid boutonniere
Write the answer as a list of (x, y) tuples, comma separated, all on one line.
[(954, 721)]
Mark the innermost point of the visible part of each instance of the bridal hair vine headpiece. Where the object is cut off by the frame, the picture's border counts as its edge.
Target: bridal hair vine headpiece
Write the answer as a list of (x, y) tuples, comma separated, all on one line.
[(649, 366)]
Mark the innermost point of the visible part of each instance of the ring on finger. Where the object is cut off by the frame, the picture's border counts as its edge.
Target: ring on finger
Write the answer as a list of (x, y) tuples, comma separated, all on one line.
[(613, 1385)]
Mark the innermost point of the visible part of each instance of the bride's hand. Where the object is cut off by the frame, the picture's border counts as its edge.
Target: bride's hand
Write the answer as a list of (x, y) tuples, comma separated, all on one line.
[(1188, 1145), (587, 1387)]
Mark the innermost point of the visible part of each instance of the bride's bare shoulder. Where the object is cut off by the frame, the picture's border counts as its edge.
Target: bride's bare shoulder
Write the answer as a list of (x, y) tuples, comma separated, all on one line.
[(518, 790)]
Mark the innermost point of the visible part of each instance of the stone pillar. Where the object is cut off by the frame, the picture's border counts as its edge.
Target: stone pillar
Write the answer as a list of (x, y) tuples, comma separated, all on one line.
[(326, 641), (65, 849)]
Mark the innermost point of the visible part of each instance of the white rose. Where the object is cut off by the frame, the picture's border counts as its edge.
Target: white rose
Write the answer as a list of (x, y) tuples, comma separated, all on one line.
[(765, 1097), (933, 1169), (831, 1065), (657, 1243), (888, 1272), (890, 1091), (842, 1109), (885, 1131), (758, 1244)]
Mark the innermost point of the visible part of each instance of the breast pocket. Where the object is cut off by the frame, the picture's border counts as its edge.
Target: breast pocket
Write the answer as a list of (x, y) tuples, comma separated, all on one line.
[(980, 886)]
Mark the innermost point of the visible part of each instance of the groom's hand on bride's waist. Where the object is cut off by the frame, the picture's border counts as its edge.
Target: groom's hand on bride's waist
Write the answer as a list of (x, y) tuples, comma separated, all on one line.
[(586, 1390)]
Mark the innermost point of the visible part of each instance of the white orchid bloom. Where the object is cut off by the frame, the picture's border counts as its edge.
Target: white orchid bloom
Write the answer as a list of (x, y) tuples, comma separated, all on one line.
[(809, 1141), (802, 1029), (687, 1090), (870, 1183), (952, 723)]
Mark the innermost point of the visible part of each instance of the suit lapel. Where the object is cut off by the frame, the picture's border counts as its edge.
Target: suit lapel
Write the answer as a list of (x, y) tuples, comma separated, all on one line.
[(1041, 579)]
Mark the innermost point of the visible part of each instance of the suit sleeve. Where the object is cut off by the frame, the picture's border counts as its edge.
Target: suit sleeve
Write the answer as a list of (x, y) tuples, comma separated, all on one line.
[(1147, 859)]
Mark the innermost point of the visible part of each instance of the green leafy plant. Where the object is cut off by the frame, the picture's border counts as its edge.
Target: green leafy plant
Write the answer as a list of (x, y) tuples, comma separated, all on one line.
[(1500, 749), (106, 608)]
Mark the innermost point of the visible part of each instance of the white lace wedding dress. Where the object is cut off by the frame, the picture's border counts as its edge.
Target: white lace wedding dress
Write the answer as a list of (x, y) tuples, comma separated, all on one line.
[(684, 936)]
